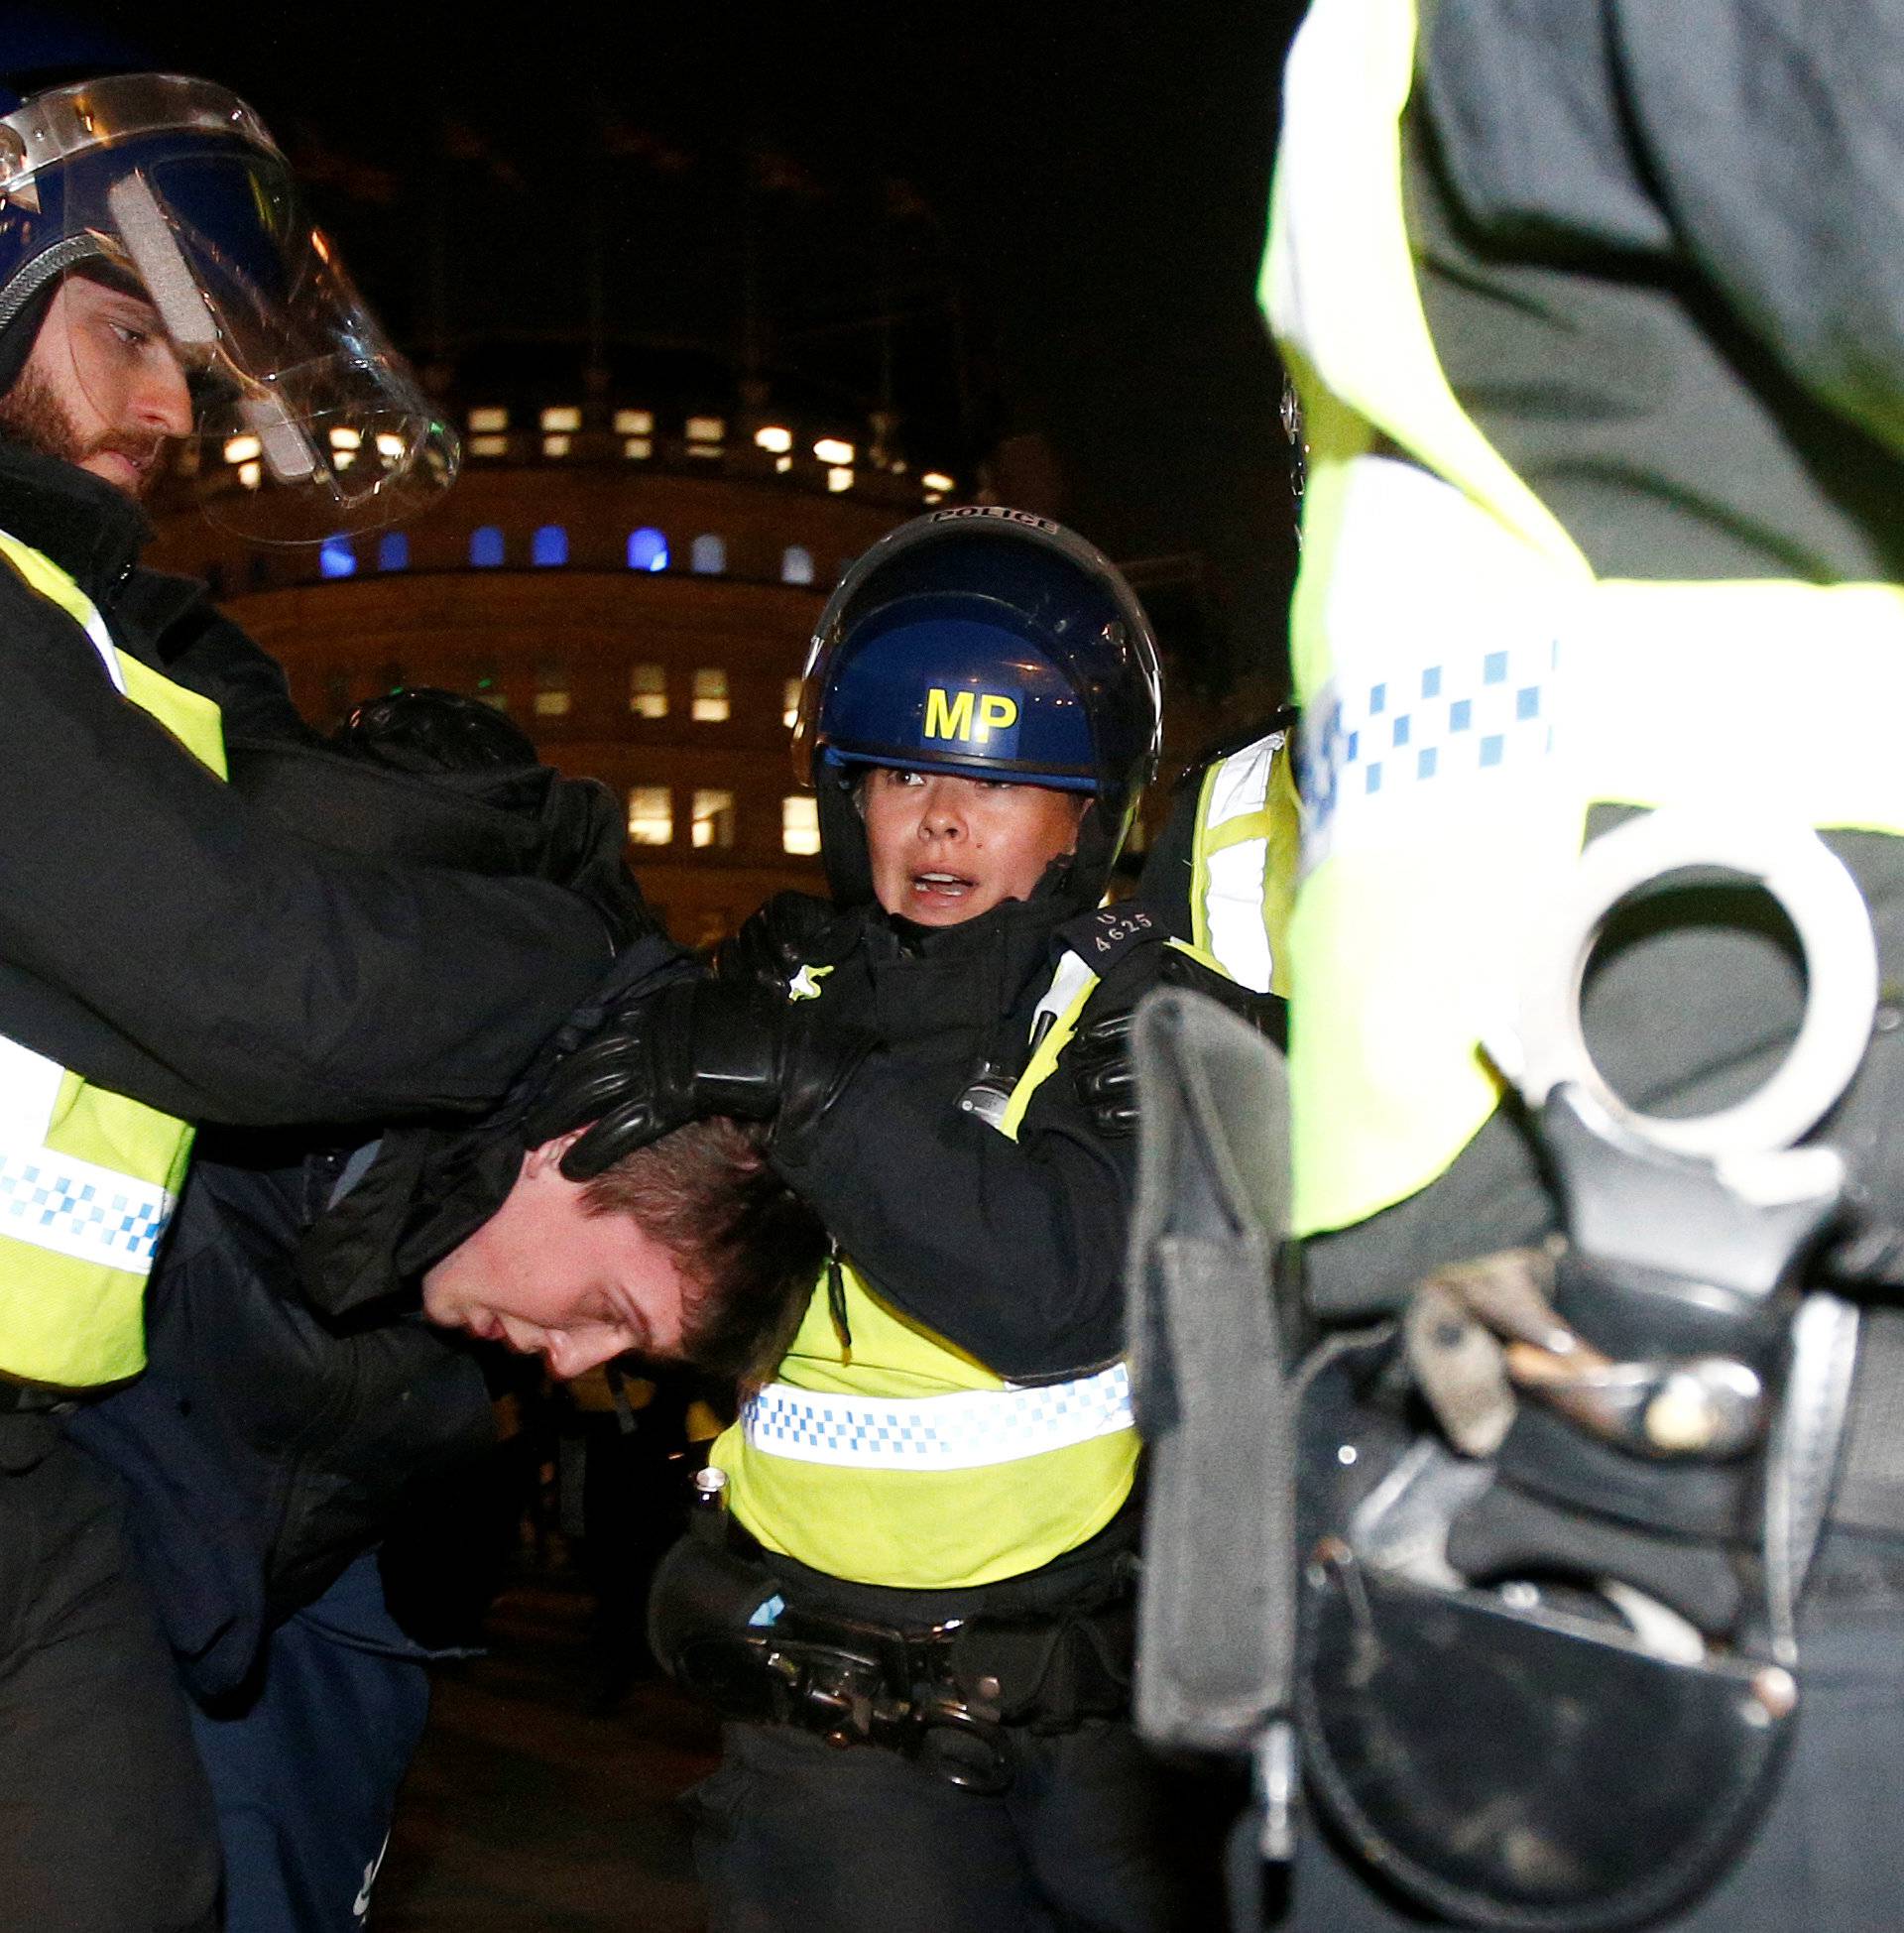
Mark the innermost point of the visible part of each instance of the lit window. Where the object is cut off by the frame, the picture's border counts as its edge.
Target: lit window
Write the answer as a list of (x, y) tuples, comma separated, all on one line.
[(797, 564), (552, 689), (800, 825), (548, 546), (637, 446), (713, 818), (241, 450), (570, 419), (555, 445), (773, 437), (337, 558), (710, 705), (344, 437), (791, 702), (838, 480), (393, 551), (710, 556), (489, 446), (634, 423), (782, 464), (490, 419), (936, 480), (486, 547), (390, 448), (648, 690), (647, 550), (651, 815), (831, 449), (251, 475), (706, 430)]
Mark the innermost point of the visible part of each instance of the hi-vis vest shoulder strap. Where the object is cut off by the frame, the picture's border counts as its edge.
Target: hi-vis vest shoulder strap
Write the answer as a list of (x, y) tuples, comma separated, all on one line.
[(87, 1177), (1243, 862), (1469, 688)]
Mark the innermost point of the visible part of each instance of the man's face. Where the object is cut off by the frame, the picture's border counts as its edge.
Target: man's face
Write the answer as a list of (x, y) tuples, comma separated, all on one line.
[(945, 849), (543, 1275), (102, 387)]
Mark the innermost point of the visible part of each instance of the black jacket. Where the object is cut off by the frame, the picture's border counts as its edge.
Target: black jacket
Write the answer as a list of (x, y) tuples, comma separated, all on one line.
[(162, 936), (1661, 253), (270, 1441), (1012, 1248)]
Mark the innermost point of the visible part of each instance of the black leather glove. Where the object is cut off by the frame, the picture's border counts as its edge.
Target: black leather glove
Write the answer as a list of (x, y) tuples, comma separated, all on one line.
[(694, 1050), (1100, 1050), (793, 931)]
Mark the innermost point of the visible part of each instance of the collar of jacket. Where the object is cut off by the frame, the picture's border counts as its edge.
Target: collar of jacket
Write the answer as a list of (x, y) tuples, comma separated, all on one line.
[(91, 529), (927, 980)]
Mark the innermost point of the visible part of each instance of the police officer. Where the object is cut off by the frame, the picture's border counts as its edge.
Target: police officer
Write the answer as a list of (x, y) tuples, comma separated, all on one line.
[(166, 954), (1604, 445), (935, 1489)]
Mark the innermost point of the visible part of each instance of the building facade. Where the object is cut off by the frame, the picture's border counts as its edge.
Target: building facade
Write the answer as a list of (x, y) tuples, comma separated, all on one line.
[(638, 597)]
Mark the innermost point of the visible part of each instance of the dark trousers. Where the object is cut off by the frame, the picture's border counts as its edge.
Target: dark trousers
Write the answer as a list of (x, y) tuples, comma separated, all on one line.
[(106, 1824), (1093, 1833), (306, 1765)]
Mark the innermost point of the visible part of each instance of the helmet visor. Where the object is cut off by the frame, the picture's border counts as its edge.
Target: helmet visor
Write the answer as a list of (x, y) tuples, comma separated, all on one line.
[(306, 420)]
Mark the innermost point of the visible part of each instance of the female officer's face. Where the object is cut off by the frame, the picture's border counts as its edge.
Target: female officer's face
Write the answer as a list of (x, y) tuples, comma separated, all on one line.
[(945, 849)]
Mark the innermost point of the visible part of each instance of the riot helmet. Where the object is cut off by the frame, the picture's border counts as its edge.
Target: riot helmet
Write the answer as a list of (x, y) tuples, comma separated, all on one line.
[(307, 421), (991, 644)]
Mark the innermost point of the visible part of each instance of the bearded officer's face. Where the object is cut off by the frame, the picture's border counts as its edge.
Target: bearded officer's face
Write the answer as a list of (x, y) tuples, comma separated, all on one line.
[(102, 387)]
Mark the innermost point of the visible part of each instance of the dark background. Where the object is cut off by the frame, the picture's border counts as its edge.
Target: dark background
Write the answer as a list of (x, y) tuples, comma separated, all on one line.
[(1032, 236)]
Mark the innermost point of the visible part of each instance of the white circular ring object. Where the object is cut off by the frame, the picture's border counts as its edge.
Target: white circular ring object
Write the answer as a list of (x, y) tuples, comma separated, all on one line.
[(1833, 926)]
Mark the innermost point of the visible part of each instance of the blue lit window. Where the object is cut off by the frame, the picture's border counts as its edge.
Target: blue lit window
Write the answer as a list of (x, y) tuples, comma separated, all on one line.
[(710, 556), (392, 552), (549, 546), (486, 548), (647, 550), (797, 564), (337, 559)]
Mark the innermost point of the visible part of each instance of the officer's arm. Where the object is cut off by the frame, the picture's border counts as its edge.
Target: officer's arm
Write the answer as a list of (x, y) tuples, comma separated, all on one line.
[(1774, 130), (266, 981), (1013, 1250), (1762, 139)]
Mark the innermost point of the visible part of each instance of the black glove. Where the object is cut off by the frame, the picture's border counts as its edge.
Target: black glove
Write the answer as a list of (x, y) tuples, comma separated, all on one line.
[(1100, 1051), (793, 931), (694, 1050)]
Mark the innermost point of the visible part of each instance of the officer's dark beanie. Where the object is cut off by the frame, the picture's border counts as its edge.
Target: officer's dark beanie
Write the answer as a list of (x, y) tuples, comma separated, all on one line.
[(17, 338)]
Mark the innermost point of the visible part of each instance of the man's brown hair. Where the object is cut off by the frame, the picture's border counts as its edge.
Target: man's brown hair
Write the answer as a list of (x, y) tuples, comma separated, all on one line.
[(748, 1247)]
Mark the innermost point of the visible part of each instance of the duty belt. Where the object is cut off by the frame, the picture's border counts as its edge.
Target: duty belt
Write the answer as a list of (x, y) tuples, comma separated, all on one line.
[(947, 1694)]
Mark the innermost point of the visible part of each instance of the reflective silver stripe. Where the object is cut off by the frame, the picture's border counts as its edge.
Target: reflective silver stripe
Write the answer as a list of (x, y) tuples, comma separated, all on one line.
[(964, 1431), (1236, 876), (75, 1208)]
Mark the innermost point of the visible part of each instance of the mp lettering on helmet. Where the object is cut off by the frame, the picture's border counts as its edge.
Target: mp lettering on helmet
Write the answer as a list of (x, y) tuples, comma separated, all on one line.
[(988, 719)]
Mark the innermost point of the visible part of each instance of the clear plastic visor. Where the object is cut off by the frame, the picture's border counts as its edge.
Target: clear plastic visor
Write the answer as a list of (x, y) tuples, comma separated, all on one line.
[(197, 303)]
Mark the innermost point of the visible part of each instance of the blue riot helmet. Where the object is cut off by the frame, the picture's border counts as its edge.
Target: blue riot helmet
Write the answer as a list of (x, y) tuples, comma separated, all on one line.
[(307, 423), (991, 643)]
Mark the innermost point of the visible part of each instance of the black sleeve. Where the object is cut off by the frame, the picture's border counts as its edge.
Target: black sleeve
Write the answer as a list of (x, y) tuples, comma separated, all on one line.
[(1761, 141), (272, 983), (1775, 130), (1012, 1250)]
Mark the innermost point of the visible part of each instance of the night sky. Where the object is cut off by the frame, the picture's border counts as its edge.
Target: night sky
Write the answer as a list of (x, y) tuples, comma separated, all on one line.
[(1058, 210)]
